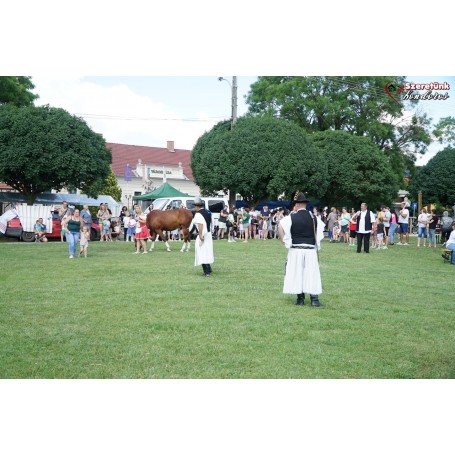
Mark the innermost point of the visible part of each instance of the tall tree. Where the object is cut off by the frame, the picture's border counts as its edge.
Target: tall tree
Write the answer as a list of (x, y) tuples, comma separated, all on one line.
[(111, 187), (43, 148), (260, 158), (445, 131), (358, 105), (357, 170), (436, 179), (16, 90)]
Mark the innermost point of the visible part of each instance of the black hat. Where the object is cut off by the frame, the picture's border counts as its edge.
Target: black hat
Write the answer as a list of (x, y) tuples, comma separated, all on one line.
[(198, 202), (299, 197)]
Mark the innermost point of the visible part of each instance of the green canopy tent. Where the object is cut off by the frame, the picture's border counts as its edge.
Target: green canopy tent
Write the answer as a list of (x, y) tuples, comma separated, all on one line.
[(165, 190)]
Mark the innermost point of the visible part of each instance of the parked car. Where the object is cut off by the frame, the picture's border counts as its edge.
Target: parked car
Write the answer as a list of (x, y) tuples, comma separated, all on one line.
[(14, 229)]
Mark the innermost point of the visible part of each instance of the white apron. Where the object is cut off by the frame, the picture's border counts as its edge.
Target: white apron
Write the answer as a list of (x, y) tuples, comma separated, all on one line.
[(302, 265), (203, 254)]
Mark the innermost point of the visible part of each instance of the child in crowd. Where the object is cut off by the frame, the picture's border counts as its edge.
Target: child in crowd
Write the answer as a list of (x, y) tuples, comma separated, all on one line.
[(131, 223), (114, 231), (336, 232), (265, 228), (175, 234), (85, 238), (380, 231), (106, 231)]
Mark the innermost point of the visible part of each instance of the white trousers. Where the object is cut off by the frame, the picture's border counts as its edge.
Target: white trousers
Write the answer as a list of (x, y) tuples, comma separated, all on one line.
[(302, 272)]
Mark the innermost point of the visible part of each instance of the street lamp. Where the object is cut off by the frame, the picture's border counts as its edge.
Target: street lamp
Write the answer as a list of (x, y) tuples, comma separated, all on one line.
[(234, 98)]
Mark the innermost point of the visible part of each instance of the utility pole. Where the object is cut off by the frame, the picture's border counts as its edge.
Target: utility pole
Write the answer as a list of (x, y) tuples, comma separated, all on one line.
[(233, 98), (234, 101), (231, 194)]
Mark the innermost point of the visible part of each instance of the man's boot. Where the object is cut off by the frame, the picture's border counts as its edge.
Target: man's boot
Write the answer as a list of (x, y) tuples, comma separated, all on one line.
[(300, 300), (204, 268), (315, 301), (209, 268)]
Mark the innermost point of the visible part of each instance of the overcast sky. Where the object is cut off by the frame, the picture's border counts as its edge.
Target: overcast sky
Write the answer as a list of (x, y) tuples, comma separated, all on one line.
[(152, 110), (146, 110)]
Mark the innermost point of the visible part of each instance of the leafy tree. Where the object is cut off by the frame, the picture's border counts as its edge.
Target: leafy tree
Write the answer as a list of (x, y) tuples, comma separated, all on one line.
[(260, 158), (358, 105), (16, 90), (445, 130), (112, 187), (357, 170), (436, 179), (44, 147)]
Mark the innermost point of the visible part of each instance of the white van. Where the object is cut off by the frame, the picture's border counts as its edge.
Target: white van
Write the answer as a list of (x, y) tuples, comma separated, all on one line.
[(213, 204)]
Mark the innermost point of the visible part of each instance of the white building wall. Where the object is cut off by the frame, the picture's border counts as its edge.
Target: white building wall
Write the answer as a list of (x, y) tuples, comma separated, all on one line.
[(136, 185)]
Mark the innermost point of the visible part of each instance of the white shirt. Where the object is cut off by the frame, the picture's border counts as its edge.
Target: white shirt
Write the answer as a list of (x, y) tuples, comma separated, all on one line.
[(388, 215), (362, 215), (402, 219), (423, 220), (451, 240)]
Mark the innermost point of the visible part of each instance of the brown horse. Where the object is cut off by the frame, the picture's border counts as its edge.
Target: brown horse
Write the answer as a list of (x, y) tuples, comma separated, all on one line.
[(158, 221)]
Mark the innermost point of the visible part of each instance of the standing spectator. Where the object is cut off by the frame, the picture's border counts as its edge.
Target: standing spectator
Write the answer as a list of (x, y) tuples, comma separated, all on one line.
[(142, 232), (336, 231), (85, 237), (422, 226), (263, 229), (148, 209), (253, 224), (129, 227), (352, 228), (446, 227), (73, 225), (380, 232), (331, 219), (62, 213), (222, 220), (386, 217), (403, 222), (432, 223), (103, 215), (301, 232), (122, 215), (246, 223), (365, 219), (40, 231), (106, 230), (204, 243), (344, 223), (279, 215), (266, 215), (86, 217), (239, 221), (407, 203), (393, 226), (231, 225), (450, 245)]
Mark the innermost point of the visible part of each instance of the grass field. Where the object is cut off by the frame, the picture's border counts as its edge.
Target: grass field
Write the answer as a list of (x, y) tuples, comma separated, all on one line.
[(389, 314)]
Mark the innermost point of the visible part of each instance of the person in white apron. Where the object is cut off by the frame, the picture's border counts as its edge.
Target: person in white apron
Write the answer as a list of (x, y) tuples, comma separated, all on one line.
[(301, 232), (203, 252)]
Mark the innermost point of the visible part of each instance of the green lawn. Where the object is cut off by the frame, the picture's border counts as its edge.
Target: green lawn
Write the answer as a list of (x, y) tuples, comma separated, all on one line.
[(389, 314)]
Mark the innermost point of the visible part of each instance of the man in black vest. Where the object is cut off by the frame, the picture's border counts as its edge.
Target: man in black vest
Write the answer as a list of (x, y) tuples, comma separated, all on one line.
[(365, 219), (301, 233)]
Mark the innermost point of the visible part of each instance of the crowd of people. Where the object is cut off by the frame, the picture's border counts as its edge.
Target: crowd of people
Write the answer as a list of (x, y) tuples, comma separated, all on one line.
[(361, 228), (385, 226)]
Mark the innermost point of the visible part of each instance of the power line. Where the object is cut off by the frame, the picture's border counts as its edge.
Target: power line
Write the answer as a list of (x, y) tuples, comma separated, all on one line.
[(148, 119)]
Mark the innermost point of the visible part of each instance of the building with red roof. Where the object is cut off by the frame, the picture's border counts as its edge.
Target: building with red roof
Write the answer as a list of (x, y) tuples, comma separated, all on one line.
[(141, 169)]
